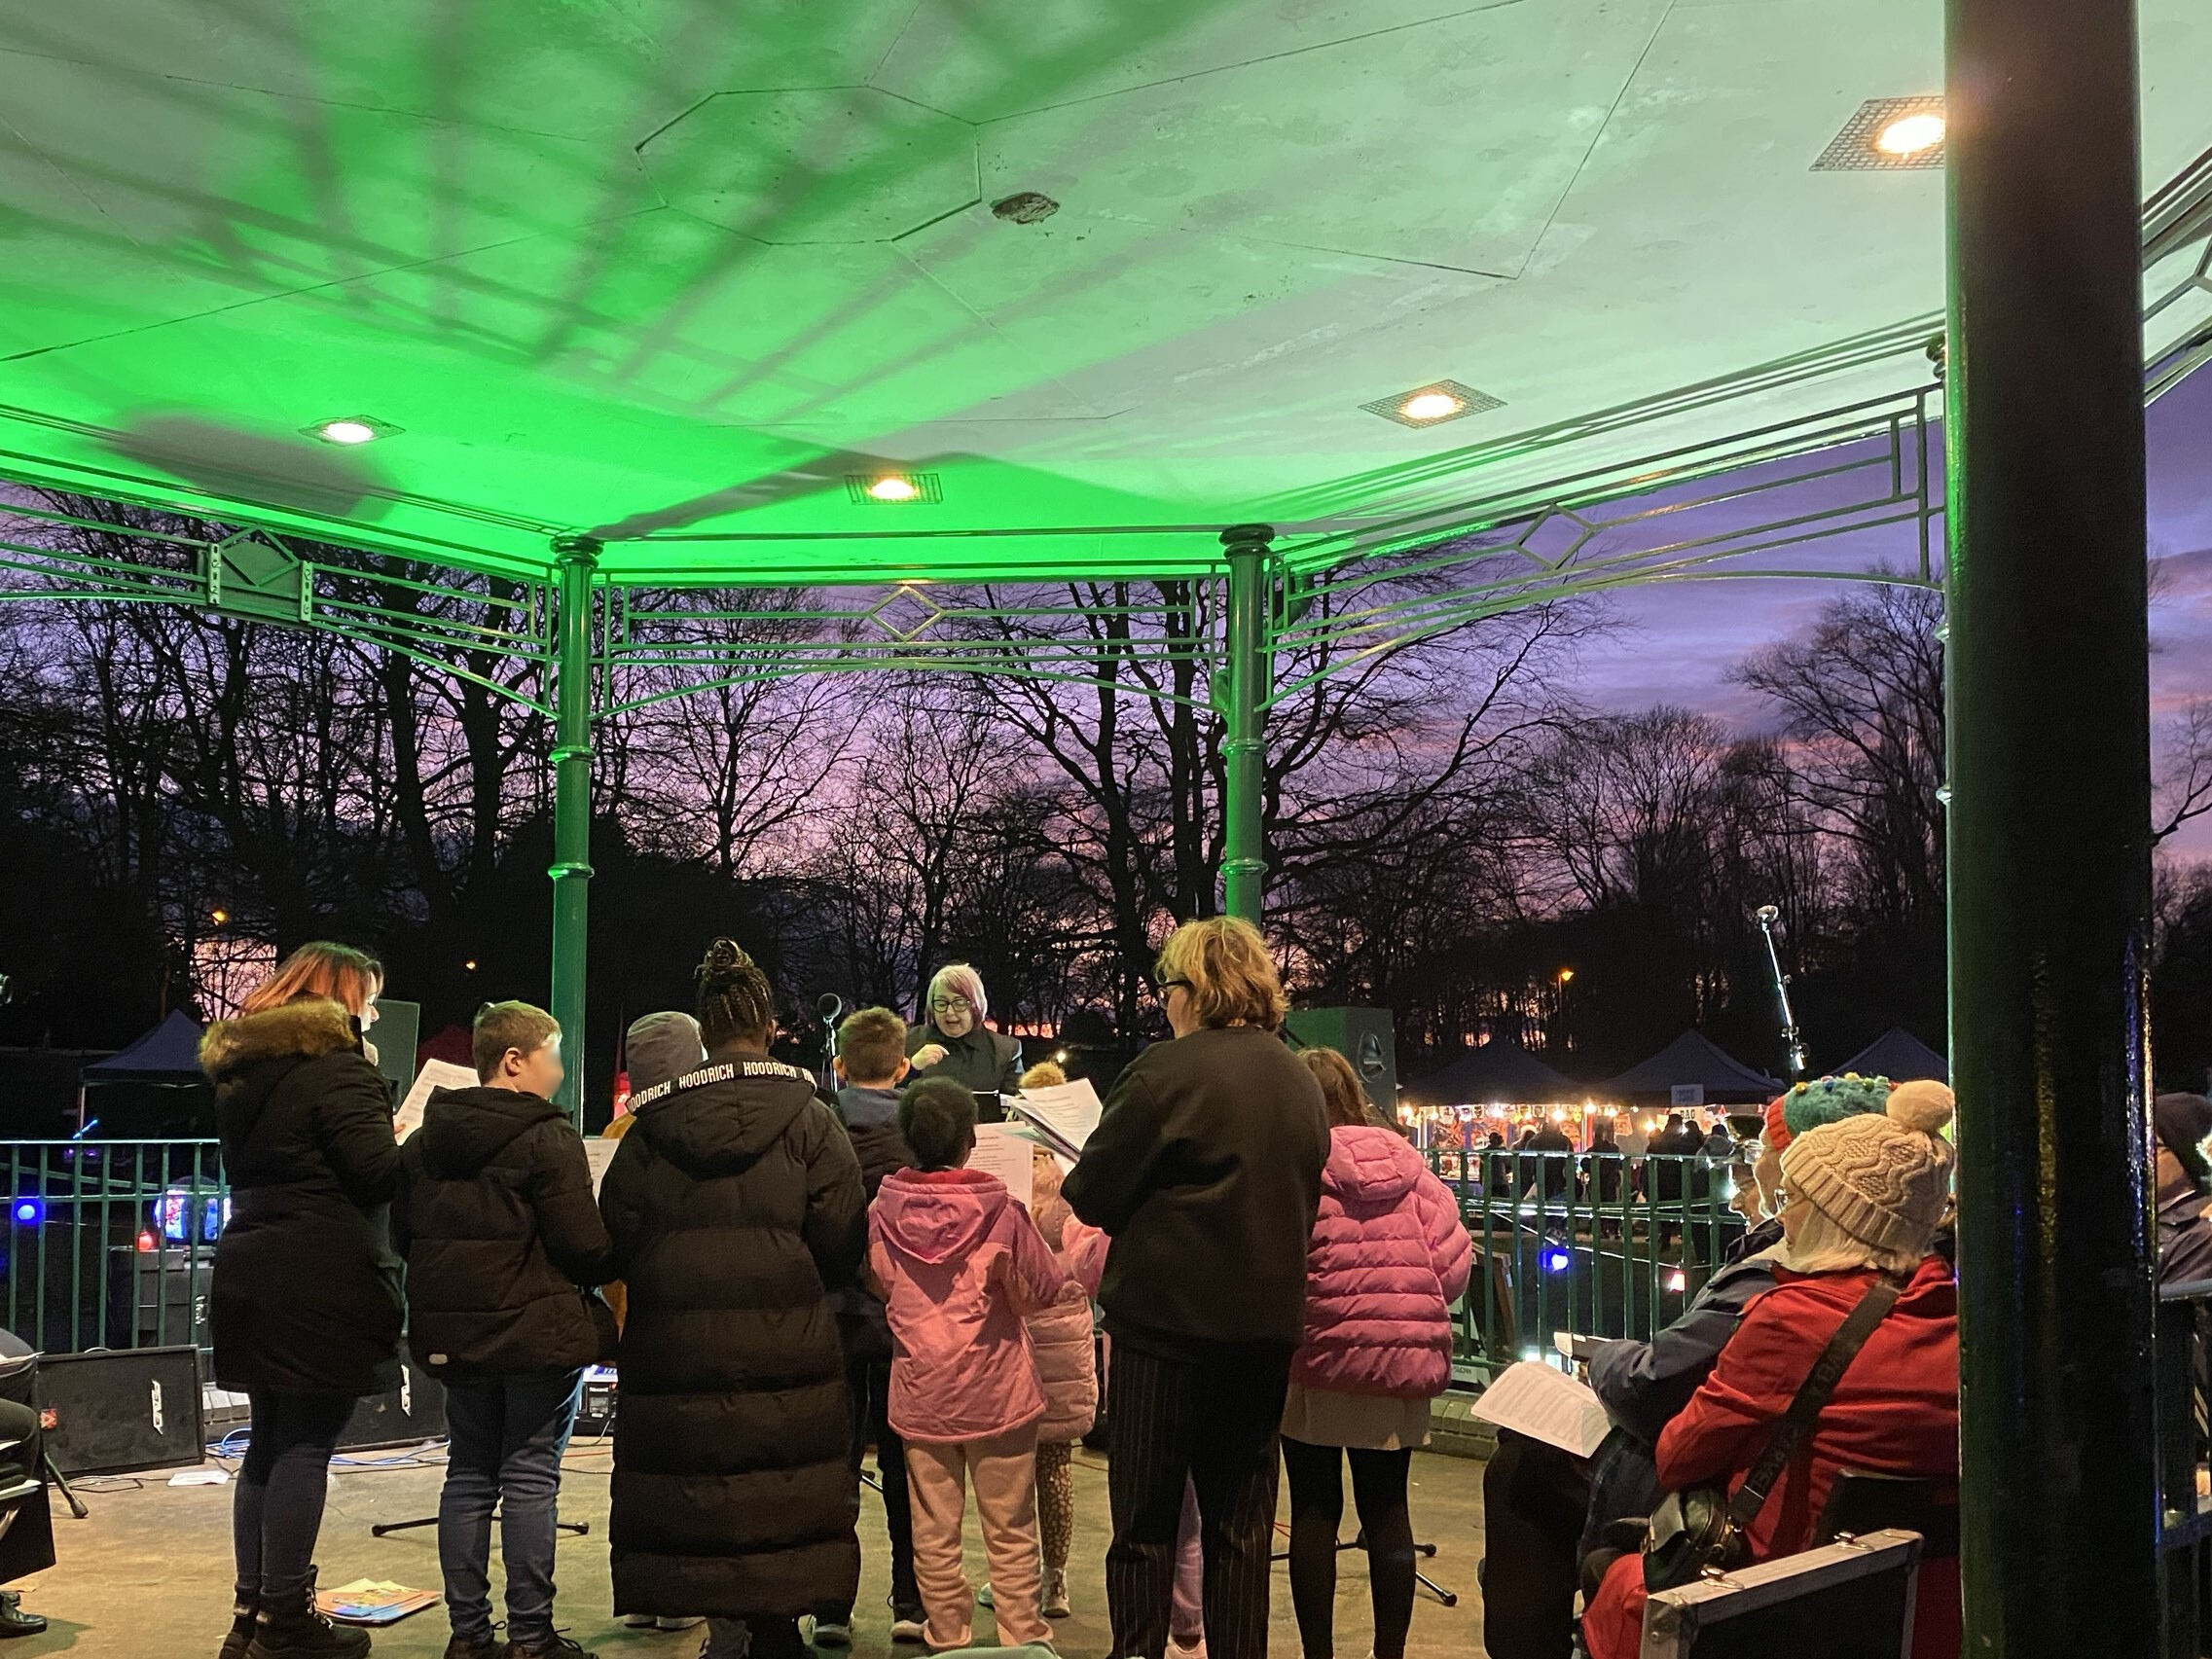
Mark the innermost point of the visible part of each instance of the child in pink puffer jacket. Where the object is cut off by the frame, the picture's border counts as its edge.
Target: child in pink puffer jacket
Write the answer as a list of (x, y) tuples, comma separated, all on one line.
[(960, 1265), (1388, 1257)]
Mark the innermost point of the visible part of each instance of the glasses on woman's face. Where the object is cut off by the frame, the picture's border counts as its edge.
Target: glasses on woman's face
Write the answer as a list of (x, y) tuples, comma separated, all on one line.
[(1161, 988), (950, 1005)]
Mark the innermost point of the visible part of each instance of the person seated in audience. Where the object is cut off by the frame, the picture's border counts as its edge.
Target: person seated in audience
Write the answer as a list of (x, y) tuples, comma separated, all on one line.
[(1865, 1198), (2184, 1177)]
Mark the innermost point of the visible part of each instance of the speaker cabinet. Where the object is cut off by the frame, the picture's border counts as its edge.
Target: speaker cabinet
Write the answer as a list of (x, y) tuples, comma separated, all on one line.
[(122, 1410), (414, 1411), (1365, 1037)]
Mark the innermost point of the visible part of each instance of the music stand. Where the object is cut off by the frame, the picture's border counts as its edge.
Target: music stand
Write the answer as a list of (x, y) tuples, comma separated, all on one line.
[(1421, 1552)]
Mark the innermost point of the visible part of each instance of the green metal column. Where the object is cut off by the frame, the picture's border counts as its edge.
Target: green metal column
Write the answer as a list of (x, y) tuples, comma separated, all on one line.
[(2050, 828), (572, 870), (1244, 748)]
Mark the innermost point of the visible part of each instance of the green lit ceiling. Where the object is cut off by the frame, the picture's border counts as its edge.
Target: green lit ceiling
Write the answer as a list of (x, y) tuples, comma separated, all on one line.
[(680, 268)]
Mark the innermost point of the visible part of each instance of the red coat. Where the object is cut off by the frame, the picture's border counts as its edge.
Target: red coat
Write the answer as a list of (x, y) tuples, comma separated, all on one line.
[(1895, 1412), (1388, 1258)]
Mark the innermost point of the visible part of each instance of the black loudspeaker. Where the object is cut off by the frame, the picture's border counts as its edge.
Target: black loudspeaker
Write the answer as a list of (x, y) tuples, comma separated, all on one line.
[(414, 1411), (1365, 1037), (395, 1036), (110, 1412)]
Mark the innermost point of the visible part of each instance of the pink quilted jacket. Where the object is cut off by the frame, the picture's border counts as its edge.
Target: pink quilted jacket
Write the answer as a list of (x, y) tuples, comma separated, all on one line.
[(960, 1265), (1067, 1357), (1387, 1257)]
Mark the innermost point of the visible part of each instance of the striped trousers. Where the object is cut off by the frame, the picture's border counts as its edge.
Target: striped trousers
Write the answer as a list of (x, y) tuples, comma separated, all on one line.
[(1213, 1423)]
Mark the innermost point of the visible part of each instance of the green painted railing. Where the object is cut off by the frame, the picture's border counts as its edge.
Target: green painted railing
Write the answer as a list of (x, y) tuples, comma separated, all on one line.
[(110, 1244), (1596, 1244)]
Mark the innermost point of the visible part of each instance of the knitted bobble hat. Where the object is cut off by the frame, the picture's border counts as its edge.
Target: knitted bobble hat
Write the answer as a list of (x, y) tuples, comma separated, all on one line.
[(1884, 1178), (1830, 1100)]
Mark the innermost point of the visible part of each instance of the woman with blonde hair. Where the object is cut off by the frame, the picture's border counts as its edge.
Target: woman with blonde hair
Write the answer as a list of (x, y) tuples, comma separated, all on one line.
[(305, 1299), (1205, 1172)]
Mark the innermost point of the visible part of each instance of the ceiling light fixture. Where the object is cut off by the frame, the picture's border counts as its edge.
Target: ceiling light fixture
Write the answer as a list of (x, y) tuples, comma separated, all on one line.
[(350, 429), (1433, 403), (1888, 135), (1910, 134), (894, 489)]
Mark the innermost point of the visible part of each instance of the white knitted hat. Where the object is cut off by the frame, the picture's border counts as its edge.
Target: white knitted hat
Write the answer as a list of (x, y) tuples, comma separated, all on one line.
[(1885, 1179)]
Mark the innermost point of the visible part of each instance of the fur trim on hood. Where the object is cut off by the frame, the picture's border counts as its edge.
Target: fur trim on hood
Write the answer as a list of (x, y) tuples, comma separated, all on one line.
[(312, 1026)]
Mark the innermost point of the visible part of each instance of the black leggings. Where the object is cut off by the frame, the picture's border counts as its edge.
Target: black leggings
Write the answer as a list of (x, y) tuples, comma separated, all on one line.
[(277, 1506), (1317, 1507)]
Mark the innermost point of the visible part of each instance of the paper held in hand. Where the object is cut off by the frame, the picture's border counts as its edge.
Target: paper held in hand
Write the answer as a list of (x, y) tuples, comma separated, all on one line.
[(1064, 1113), (1006, 1153), (435, 1075), (1531, 1398)]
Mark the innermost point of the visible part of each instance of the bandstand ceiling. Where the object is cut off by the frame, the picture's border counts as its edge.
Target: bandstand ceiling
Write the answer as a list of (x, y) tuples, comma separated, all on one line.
[(685, 267)]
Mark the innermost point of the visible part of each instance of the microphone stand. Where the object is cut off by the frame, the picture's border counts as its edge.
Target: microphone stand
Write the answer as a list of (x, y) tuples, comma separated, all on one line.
[(1793, 1042)]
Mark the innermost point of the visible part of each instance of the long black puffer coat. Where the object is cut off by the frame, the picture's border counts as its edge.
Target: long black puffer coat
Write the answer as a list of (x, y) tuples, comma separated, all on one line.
[(305, 1292), (495, 1218), (735, 1208)]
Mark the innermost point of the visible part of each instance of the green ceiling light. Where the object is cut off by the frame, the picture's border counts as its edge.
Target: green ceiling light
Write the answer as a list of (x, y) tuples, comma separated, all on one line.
[(1433, 403), (1888, 135), (350, 429), (895, 489)]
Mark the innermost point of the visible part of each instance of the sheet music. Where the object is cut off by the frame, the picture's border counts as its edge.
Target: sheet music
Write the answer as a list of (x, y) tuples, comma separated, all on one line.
[(598, 1153), (1004, 1155), (1531, 1398), (435, 1075), (1065, 1113)]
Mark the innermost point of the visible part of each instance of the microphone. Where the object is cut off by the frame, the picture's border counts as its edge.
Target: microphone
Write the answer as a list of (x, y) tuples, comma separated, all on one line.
[(827, 1006), (1769, 915)]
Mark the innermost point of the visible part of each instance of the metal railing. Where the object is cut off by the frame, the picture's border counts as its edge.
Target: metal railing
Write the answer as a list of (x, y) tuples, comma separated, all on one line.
[(111, 1243), (1596, 1244)]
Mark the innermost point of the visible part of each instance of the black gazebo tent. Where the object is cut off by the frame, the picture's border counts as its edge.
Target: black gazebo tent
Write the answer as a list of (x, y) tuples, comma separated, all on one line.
[(155, 1087), (1693, 1059), (1900, 1056), (1495, 1074)]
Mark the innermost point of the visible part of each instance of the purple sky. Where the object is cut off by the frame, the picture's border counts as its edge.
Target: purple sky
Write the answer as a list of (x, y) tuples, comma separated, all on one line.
[(1677, 641)]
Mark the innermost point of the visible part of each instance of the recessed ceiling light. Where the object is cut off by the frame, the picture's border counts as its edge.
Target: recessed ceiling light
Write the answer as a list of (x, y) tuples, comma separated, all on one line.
[(894, 489), (1024, 207), (1909, 135), (350, 429), (1888, 135), (1433, 403)]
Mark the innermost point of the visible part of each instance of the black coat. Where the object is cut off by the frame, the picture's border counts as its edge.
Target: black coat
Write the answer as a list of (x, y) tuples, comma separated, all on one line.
[(306, 1291), (495, 1220), (735, 1208), (1205, 1170), (981, 1060)]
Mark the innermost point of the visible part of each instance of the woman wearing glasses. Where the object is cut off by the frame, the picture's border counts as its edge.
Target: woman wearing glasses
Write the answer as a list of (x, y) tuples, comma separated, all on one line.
[(951, 1040), (1205, 1171)]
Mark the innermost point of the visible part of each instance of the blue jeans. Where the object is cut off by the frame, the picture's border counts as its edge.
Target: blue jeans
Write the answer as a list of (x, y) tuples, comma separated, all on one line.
[(507, 1435)]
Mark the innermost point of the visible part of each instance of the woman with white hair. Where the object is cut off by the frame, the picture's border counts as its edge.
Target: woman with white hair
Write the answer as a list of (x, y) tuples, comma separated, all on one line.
[(950, 1039)]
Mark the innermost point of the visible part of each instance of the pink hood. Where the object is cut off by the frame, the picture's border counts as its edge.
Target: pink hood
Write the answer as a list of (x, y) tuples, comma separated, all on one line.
[(1388, 1256), (959, 1264)]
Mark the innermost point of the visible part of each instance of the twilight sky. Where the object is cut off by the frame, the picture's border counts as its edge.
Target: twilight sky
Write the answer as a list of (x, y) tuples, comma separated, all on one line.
[(1678, 641)]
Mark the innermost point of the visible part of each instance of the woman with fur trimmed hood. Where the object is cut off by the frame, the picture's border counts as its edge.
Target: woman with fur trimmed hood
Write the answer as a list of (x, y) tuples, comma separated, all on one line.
[(305, 1297)]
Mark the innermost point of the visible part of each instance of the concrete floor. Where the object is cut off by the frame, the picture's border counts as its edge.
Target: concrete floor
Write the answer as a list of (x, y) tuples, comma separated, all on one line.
[(149, 1573)]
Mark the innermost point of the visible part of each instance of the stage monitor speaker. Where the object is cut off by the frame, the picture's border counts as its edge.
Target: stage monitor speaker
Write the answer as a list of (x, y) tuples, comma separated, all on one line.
[(395, 1036), (119, 1410), (414, 1411), (1365, 1037)]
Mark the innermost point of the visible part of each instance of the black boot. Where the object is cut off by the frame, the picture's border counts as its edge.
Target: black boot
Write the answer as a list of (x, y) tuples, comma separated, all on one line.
[(297, 1629), (14, 1621), (240, 1638)]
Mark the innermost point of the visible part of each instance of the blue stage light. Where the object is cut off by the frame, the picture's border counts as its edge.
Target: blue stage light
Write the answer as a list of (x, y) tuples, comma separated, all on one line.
[(1557, 1258), (29, 1211)]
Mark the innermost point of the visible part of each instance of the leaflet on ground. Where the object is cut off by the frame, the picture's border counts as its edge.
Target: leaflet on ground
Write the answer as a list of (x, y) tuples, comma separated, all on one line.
[(435, 1075), (1064, 1113), (1531, 1398)]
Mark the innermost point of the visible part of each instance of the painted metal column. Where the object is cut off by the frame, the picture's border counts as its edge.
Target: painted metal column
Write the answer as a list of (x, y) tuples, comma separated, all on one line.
[(1244, 747), (572, 870), (2050, 828)]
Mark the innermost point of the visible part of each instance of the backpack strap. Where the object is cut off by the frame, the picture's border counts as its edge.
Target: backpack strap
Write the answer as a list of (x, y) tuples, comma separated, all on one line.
[(1812, 1396)]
